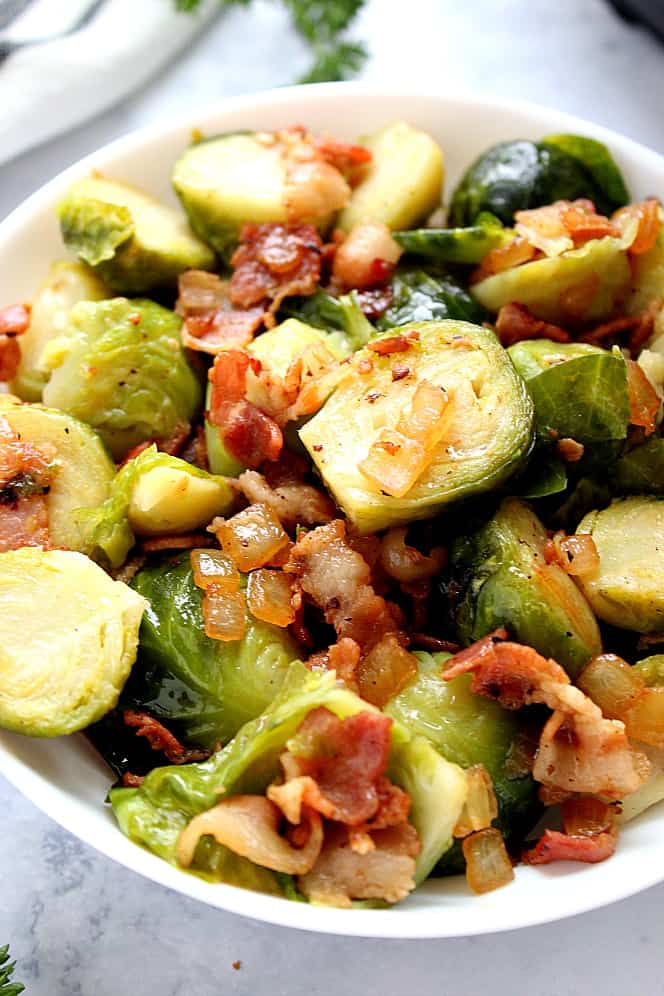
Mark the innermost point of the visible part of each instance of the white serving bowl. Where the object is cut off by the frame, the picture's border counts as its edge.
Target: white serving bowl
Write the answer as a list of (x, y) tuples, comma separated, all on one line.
[(65, 777)]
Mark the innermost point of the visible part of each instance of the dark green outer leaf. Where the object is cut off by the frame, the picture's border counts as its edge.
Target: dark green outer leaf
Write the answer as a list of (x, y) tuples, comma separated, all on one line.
[(544, 476), (641, 471), (598, 161), (454, 245), (419, 297)]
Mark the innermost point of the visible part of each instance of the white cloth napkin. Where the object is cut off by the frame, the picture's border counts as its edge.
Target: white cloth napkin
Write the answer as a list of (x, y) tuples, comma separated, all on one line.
[(47, 89)]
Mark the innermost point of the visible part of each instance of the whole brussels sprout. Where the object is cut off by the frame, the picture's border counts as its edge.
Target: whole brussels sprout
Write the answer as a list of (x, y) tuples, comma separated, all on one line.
[(121, 369)]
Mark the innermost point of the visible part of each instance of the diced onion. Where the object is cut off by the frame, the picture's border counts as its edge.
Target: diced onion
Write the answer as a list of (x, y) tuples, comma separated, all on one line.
[(248, 826), (431, 411), (481, 806), (518, 251), (385, 670), (648, 216), (645, 718), (214, 567), (224, 614), (366, 242), (488, 866), (253, 537), (394, 462), (200, 293), (612, 685), (270, 597), (405, 563)]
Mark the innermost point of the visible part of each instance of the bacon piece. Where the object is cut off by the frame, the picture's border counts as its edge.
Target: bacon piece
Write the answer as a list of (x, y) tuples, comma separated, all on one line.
[(394, 344), (515, 323), (569, 450), (556, 846), (295, 503), (210, 323), (579, 750), (14, 319), (516, 252), (342, 657), (366, 258), (643, 399), (341, 874), (648, 214), (10, 357), (249, 434), (24, 523), (584, 223), (26, 472), (186, 541), (161, 739), (337, 578), (130, 780), (344, 157), (272, 262), (639, 326)]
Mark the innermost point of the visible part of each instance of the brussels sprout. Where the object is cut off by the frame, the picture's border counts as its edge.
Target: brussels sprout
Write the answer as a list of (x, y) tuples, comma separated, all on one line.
[(651, 670), (280, 347), (647, 276), (544, 476), (628, 588), (469, 730), (489, 435), (65, 285), (221, 461), (83, 469), (133, 242), (121, 369), (68, 636), (641, 470), (516, 175), (510, 584), (419, 297), (334, 315), (579, 391), (155, 814), (546, 285), (205, 688), (456, 245), (403, 183)]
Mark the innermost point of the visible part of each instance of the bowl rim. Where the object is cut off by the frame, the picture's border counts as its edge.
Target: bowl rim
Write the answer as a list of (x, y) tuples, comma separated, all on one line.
[(396, 922)]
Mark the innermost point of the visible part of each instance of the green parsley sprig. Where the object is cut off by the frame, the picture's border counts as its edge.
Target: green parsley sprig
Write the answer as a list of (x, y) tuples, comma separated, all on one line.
[(322, 24), (7, 987)]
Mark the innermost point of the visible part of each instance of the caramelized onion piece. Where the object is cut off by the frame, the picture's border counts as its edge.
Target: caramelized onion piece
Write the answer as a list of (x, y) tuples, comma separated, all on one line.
[(488, 866), (643, 398), (385, 670), (647, 214), (518, 251), (586, 816), (252, 538), (612, 685), (270, 597), (248, 825), (214, 567), (354, 260), (224, 615), (481, 806)]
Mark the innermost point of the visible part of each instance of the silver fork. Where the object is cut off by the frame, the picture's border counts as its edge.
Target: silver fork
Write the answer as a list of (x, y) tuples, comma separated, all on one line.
[(15, 36)]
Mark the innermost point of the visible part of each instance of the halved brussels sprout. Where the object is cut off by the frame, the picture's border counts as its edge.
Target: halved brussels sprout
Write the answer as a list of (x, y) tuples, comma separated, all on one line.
[(488, 436), (65, 285), (419, 297), (155, 814), (83, 469), (509, 583), (516, 175), (68, 637), (403, 183), (628, 588), (469, 730), (579, 391), (121, 369), (334, 315), (456, 245), (133, 242), (548, 287), (204, 688)]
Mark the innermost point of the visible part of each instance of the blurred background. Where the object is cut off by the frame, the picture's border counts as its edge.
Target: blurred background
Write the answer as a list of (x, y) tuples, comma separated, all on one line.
[(79, 924)]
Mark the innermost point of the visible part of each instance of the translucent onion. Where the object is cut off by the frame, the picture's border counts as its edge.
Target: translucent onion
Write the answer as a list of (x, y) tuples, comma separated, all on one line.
[(545, 229), (385, 670), (253, 537), (645, 718), (429, 417), (200, 293), (224, 614), (481, 806), (406, 563), (488, 866), (394, 462), (270, 597), (366, 242), (577, 555), (648, 216), (214, 567), (612, 685), (248, 825)]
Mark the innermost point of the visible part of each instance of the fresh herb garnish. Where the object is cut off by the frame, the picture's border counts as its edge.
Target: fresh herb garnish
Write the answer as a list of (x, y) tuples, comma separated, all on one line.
[(321, 23), (7, 987)]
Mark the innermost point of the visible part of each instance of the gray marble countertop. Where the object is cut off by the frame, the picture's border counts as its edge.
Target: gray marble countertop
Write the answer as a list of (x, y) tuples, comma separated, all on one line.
[(79, 924)]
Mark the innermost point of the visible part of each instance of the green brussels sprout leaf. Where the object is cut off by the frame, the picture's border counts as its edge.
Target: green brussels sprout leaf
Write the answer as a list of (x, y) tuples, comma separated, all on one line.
[(420, 297)]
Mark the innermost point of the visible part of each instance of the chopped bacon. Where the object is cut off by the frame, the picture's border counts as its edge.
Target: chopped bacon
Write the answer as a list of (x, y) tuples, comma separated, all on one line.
[(130, 780), (10, 357), (516, 252), (342, 657), (337, 578), (366, 258), (14, 319), (248, 433), (210, 322), (26, 472), (643, 399), (272, 262), (579, 750), (161, 739), (186, 541), (344, 157), (639, 326), (394, 344), (648, 215), (23, 522), (569, 450), (515, 323), (295, 502), (556, 846), (584, 223), (563, 225), (342, 874), (173, 445)]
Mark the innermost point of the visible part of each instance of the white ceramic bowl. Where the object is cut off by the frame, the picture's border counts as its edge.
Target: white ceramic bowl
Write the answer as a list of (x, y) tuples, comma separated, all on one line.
[(64, 777)]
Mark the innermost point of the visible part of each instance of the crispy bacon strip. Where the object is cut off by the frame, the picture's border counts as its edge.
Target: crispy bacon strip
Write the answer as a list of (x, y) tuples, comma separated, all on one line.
[(248, 433), (294, 502), (579, 750), (342, 657), (273, 262), (210, 322), (639, 326), (556, 846), (161, 739), (515, 323), (26, 473)]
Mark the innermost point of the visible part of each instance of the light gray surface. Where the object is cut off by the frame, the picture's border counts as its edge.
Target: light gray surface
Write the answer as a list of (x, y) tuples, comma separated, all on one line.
[(80, 924)]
